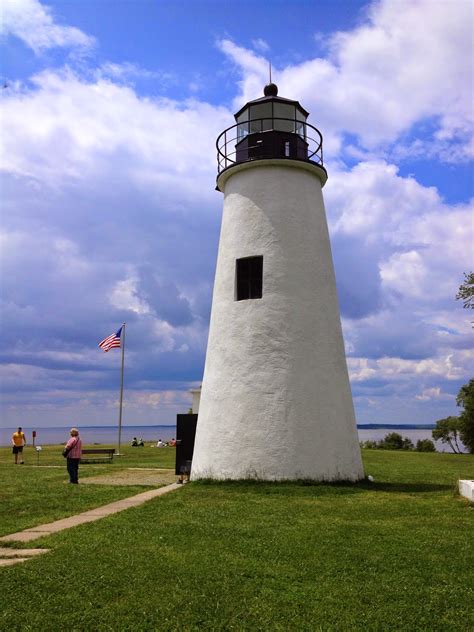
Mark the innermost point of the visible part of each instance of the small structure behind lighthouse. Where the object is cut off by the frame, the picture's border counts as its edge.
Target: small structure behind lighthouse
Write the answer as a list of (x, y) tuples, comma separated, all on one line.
[(276, 402)]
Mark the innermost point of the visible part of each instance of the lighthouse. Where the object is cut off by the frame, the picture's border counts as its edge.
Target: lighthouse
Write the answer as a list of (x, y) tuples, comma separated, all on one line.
[(276, 402)]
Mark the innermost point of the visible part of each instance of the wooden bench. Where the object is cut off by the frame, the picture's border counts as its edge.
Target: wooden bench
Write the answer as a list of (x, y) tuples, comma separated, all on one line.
[(98, 455)]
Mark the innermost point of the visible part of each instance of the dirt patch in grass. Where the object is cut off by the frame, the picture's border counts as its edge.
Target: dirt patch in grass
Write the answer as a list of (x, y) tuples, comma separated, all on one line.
[(146, 477)]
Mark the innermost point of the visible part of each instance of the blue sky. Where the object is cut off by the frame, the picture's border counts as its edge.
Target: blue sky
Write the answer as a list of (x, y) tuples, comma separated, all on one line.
[(110, 111)]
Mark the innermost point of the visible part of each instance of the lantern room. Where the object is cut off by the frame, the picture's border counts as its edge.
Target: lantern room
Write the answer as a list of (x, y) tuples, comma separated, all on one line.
[(271, 127), (268, 128)]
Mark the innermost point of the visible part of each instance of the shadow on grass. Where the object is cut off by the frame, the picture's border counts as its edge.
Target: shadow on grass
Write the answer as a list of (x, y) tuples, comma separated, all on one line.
[(339, 487), (408, 488)]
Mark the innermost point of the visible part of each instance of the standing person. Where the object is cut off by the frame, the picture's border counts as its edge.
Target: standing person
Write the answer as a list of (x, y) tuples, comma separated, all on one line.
[(74, 453), (18, 443)]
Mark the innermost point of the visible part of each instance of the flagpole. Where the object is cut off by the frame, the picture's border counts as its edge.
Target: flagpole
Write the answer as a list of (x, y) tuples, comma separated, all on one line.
[(121, 391)]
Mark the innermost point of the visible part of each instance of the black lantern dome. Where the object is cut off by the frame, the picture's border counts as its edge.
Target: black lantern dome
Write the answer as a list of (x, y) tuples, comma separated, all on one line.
[(270, 90), (271, 127)]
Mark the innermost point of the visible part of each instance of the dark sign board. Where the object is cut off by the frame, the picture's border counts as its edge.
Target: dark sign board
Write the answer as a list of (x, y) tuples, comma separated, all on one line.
[(185, 434)]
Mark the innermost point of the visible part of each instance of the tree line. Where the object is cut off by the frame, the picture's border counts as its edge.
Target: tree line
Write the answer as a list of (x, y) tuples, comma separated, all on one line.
[(452, 430), (395, 441)]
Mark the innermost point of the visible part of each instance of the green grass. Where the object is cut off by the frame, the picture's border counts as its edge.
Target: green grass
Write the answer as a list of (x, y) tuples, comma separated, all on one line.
[(393, 555), (31, 495)]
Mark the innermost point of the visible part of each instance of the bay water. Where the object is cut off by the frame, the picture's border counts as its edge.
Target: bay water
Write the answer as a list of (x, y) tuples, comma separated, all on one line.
[(151, 434), (92, 434)]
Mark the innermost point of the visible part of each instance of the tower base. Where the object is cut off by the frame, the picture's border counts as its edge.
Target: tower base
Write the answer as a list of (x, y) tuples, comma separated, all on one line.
[(276, 402)]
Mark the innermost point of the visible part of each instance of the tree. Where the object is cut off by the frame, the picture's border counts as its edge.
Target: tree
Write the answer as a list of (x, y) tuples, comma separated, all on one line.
[(466, 291), (465, 398), (369, 445), (392, 441), (447, 431), (425, 445), (395, 441), (407, 444)]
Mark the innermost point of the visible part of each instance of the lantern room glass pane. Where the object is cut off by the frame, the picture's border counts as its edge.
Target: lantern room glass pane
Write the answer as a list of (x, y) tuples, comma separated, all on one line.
[(301, 129), (300, 124), (299, 115), (243, 126), (259, 112), (287, 112)]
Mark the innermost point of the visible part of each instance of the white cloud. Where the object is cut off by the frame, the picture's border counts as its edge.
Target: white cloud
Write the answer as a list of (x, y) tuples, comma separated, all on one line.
[(432, 393), (35, 25), (68, 128), (260, 45), (406, 273), (124, 296), (254, 71), (449, 367), (396, 233), (421, 236), (159, 399), (399, 251), (372, 196), (128, 71), (384, 77)]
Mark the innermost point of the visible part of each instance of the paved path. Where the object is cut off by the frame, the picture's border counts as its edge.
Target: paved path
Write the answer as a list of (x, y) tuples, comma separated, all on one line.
[(150, 477), (8, 557), (87, 516)]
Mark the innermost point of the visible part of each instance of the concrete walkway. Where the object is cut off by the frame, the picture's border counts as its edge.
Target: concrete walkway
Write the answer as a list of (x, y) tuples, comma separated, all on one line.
[(87, 516), (148, 477), (8, 557)]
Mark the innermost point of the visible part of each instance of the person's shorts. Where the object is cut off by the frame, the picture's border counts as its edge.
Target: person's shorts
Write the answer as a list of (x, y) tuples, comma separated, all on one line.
[(17, 449)]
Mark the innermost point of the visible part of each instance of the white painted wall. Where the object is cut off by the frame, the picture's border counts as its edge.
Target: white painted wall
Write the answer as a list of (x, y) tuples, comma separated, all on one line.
[(276, 401), (196, 393), (466, 489)]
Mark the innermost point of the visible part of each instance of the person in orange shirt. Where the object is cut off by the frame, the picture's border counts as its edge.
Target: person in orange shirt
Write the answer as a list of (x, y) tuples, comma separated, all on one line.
[(18, 443)]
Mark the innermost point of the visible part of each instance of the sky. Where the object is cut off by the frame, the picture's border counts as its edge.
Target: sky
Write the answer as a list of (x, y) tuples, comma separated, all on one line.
[(109, 115)]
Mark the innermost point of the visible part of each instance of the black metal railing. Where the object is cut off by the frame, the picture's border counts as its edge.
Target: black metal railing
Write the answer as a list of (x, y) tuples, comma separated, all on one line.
[(264, 138)]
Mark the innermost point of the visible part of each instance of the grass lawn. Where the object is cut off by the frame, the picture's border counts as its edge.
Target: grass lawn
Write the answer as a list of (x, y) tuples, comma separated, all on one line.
[(31, 495), (394, 555)]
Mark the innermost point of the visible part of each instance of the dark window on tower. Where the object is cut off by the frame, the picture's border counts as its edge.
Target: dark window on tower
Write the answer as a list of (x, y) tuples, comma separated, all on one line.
[(249, 274)]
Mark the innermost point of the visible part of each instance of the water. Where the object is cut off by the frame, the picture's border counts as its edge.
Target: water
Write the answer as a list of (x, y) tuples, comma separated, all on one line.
[(151, 434), (93, 434)]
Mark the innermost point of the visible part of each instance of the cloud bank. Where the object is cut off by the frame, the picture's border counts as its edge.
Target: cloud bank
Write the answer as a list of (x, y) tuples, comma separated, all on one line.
[(35, 25), (110, 215)]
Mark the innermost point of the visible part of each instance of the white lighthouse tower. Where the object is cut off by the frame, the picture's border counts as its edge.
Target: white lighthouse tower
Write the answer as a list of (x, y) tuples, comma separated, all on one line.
[(276, 402)]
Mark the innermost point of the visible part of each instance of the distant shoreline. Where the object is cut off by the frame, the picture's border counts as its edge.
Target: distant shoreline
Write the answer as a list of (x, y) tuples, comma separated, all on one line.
[(107, 435), (396, 426), (359, 427), (113, 426)]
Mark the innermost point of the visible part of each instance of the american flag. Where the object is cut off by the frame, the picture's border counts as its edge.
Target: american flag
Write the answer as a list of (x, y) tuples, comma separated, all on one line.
[(111, 341)]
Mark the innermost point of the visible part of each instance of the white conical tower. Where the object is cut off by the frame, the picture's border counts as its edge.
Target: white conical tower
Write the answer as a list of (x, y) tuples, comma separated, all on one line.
[(276, 401)]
